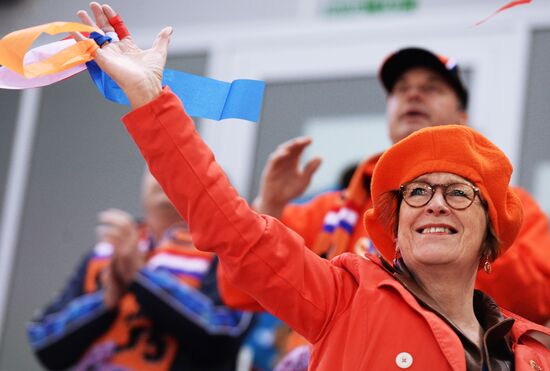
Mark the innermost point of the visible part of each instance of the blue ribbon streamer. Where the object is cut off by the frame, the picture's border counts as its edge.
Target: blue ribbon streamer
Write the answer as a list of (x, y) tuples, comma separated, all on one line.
[(202, 96), (100, 39)]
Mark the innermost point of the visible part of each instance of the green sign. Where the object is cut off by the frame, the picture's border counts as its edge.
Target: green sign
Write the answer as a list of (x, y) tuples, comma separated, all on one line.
[(370, 6)]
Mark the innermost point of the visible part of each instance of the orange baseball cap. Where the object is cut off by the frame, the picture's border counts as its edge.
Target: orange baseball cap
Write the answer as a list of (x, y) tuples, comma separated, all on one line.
[(455, 149)]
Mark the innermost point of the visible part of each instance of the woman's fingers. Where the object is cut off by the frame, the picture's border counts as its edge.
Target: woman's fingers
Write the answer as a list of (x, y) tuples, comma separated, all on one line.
[(101, 18)]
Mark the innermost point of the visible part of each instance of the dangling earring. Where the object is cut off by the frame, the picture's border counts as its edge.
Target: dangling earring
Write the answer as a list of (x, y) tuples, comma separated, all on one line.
[(487, 265), (396, 256)]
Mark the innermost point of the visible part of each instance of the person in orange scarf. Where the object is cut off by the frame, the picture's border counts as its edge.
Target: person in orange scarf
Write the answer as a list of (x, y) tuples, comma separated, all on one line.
[(440, 214), (423, 90), (144, 298)]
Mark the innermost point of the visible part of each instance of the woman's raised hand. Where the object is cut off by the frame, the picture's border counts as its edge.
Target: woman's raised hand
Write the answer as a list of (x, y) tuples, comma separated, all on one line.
[(138, 72)]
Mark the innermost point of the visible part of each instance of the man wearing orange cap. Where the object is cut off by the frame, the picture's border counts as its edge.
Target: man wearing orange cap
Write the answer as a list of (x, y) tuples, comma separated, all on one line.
[(423, 90)]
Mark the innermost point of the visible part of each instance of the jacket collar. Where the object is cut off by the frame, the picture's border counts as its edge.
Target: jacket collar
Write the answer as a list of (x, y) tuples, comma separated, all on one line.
[(496, 340)]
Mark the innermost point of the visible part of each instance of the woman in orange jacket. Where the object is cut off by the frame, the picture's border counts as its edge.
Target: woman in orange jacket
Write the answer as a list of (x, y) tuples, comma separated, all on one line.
[(422, 89), (439, 214)]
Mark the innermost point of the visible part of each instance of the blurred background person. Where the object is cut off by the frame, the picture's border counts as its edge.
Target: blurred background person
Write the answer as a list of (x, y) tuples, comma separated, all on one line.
[(143, 299)]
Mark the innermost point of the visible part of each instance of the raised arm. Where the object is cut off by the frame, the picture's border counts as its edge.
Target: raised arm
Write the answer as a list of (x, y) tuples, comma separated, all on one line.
[(259, 254)]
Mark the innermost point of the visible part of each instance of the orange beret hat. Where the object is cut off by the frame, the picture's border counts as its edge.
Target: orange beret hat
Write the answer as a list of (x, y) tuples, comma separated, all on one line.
[(455, 149)]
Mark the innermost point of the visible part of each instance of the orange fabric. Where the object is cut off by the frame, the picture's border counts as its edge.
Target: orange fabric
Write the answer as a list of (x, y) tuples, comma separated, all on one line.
[(339, 306), (93, 274), (455, 149), (128, 319), (307, 220), (520, 278), (233, 296), (132, 329), (356, 199), (15, 45)]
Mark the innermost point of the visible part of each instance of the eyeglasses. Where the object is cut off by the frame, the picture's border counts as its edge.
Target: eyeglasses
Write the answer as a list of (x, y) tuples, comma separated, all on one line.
[(458, 196)]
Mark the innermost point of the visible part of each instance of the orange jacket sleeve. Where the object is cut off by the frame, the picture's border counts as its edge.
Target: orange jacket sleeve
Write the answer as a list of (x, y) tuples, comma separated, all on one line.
[(520, 280), (258, 253), (232, 296), (305, 219)]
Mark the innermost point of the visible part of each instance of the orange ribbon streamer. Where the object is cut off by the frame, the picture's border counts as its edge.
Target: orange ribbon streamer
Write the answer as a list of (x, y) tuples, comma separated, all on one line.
[(15, 45), (507, 6)]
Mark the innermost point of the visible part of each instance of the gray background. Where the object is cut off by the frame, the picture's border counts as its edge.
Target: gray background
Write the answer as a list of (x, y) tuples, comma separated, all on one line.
[(9, 100), (536, 130), (288, 106)]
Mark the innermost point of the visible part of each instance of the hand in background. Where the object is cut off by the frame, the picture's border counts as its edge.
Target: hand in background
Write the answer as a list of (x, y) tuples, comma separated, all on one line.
[(118, 228), (283, 178)]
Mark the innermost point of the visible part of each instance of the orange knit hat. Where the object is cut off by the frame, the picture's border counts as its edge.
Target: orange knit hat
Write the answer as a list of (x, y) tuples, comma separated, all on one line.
[(453, 149)]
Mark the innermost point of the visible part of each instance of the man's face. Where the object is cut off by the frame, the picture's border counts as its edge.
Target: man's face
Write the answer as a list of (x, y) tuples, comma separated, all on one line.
[(421, 98)]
